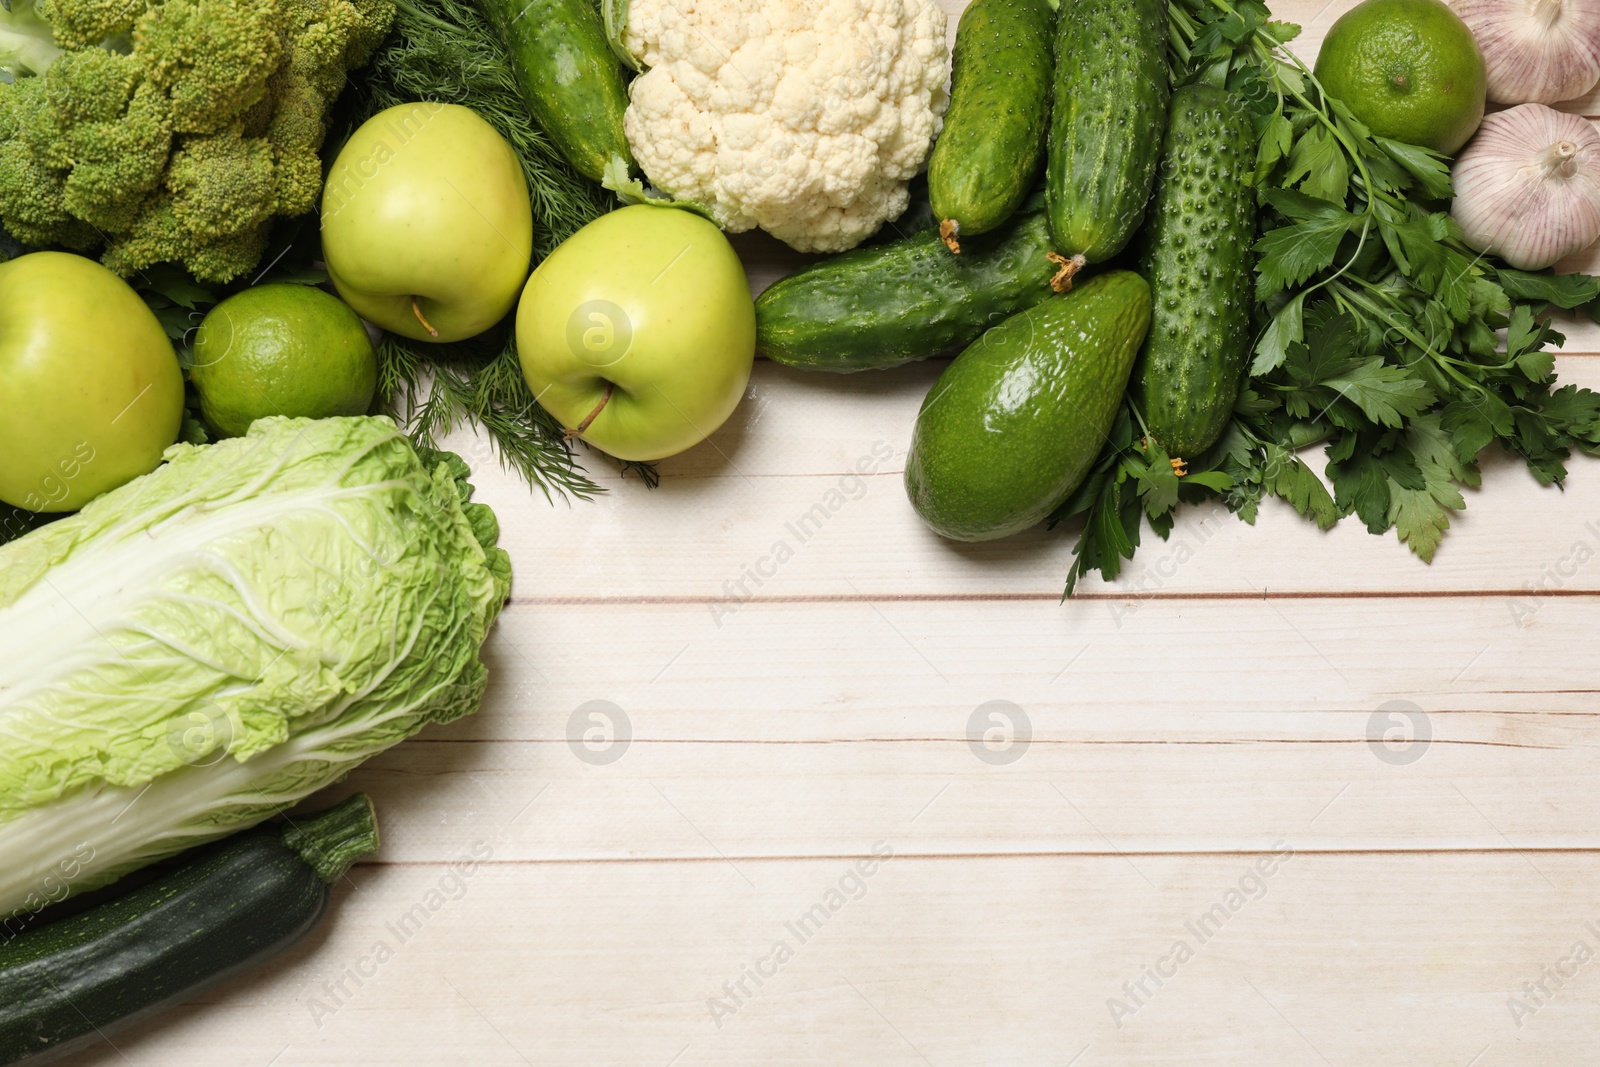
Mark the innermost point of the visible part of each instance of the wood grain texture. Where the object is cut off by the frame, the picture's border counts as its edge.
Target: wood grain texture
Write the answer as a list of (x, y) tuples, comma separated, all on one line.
[(1221, 709), (981, 962)]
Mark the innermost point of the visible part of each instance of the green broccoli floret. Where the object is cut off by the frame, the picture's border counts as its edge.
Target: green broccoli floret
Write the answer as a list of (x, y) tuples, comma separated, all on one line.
[(213, 57), (173, 130), (222, 185), (216, 208), (34, 195), (89, 23), (105, 129)]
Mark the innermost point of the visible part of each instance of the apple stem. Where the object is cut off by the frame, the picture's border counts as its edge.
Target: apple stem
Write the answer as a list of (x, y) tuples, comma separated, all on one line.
[(416, 309), (587, 419)]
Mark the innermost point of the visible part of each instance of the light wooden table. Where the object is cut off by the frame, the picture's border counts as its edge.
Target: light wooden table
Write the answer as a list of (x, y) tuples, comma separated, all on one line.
[(794, 769)]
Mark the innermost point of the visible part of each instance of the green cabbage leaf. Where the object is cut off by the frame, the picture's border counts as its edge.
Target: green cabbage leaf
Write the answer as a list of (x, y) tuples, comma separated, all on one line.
[(212, 642)]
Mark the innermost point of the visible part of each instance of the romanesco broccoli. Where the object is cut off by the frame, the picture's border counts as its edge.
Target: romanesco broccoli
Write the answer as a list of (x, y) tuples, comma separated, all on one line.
[(171, 131)]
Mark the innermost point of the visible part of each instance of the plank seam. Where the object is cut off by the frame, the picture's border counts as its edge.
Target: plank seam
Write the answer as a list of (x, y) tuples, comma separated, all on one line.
[(1576, 850), (1061, 741), (686, 600)]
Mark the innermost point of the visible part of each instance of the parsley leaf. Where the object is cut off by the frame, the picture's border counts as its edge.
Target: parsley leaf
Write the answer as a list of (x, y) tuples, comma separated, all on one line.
[(1319, 165), (1386, 395), (1361, 487), (1287, 327), (1562, 290), (1426, 167), (1291, 480), (1291, 254), (1379, 332), (1420, 251), (1419, 520)]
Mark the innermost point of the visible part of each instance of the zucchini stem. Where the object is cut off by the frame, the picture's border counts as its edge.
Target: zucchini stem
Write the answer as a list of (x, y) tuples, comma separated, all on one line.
[(330, 841)]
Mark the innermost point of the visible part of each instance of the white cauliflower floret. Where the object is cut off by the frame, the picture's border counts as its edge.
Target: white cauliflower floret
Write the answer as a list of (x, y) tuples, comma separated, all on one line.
[(803, 117)]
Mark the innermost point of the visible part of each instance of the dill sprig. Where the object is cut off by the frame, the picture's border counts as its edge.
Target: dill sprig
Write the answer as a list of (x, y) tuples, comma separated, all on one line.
[(445, 51)]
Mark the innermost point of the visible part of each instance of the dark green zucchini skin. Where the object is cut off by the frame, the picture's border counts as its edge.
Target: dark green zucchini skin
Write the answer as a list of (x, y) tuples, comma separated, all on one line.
[(1111, 90), (988, 155), (1195, 253), (880, 307), (69, 983), (570, 78)]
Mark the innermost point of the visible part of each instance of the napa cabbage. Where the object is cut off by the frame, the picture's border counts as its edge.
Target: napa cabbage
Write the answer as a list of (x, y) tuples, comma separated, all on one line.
[(208, 644)]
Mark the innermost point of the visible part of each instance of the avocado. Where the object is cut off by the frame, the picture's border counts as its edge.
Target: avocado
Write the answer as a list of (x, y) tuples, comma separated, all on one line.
[(1015, 422)]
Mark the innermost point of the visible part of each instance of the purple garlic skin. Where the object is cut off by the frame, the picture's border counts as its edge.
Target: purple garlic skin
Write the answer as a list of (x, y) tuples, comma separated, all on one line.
[(1528, 186), (1536, 51)]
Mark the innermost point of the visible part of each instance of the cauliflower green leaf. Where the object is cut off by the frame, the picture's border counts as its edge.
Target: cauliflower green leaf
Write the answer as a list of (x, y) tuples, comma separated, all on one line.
[(27, 45)]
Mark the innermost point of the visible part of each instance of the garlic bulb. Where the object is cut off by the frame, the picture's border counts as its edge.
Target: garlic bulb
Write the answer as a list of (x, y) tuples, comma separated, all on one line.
[(1528, 186), (1536, 51)]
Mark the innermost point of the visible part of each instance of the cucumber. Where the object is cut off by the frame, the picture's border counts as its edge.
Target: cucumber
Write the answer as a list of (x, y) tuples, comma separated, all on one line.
[(1110, 99), (1014, 424), (886, 305), (227, 907), (987, 157), (1196, 256), (570, 78)]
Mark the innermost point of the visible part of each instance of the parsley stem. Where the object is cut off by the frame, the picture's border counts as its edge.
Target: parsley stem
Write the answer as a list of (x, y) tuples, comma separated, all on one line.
[(1397, 320)]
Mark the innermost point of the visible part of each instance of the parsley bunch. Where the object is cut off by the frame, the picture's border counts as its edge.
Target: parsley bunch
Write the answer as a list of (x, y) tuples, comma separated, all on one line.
[(1378, 329)]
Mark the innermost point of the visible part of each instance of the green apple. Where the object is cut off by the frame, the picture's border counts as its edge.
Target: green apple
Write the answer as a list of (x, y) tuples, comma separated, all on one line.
[(638, 333), (426, 226), (90, 390)]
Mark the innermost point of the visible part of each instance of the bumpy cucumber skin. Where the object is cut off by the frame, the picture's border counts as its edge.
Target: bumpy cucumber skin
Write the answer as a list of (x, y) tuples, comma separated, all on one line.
[(1015, 422), (1196, 256), (988, 154), (886, 305), (569, 77), (1111, 90)]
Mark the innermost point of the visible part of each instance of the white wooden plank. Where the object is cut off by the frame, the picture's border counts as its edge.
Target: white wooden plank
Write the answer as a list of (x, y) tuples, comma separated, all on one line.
[(794, 728), (773, 745), (801, 494), (1480, 781), (785, 669), (1407, 960)]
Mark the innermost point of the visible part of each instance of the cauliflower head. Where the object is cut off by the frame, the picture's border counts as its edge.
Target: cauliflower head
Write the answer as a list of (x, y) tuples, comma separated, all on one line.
[(171, 131), (803, 117)]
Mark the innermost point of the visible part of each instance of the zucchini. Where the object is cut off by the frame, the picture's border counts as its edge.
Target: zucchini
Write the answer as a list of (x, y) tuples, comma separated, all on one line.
[(1110, 96), (882, 306), (987, 157), (1196, 256), (570, 79), (227, 907)]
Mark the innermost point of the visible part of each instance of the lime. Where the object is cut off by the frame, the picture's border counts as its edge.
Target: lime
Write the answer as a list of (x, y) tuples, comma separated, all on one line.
[(282, 350), (1409, 69)]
